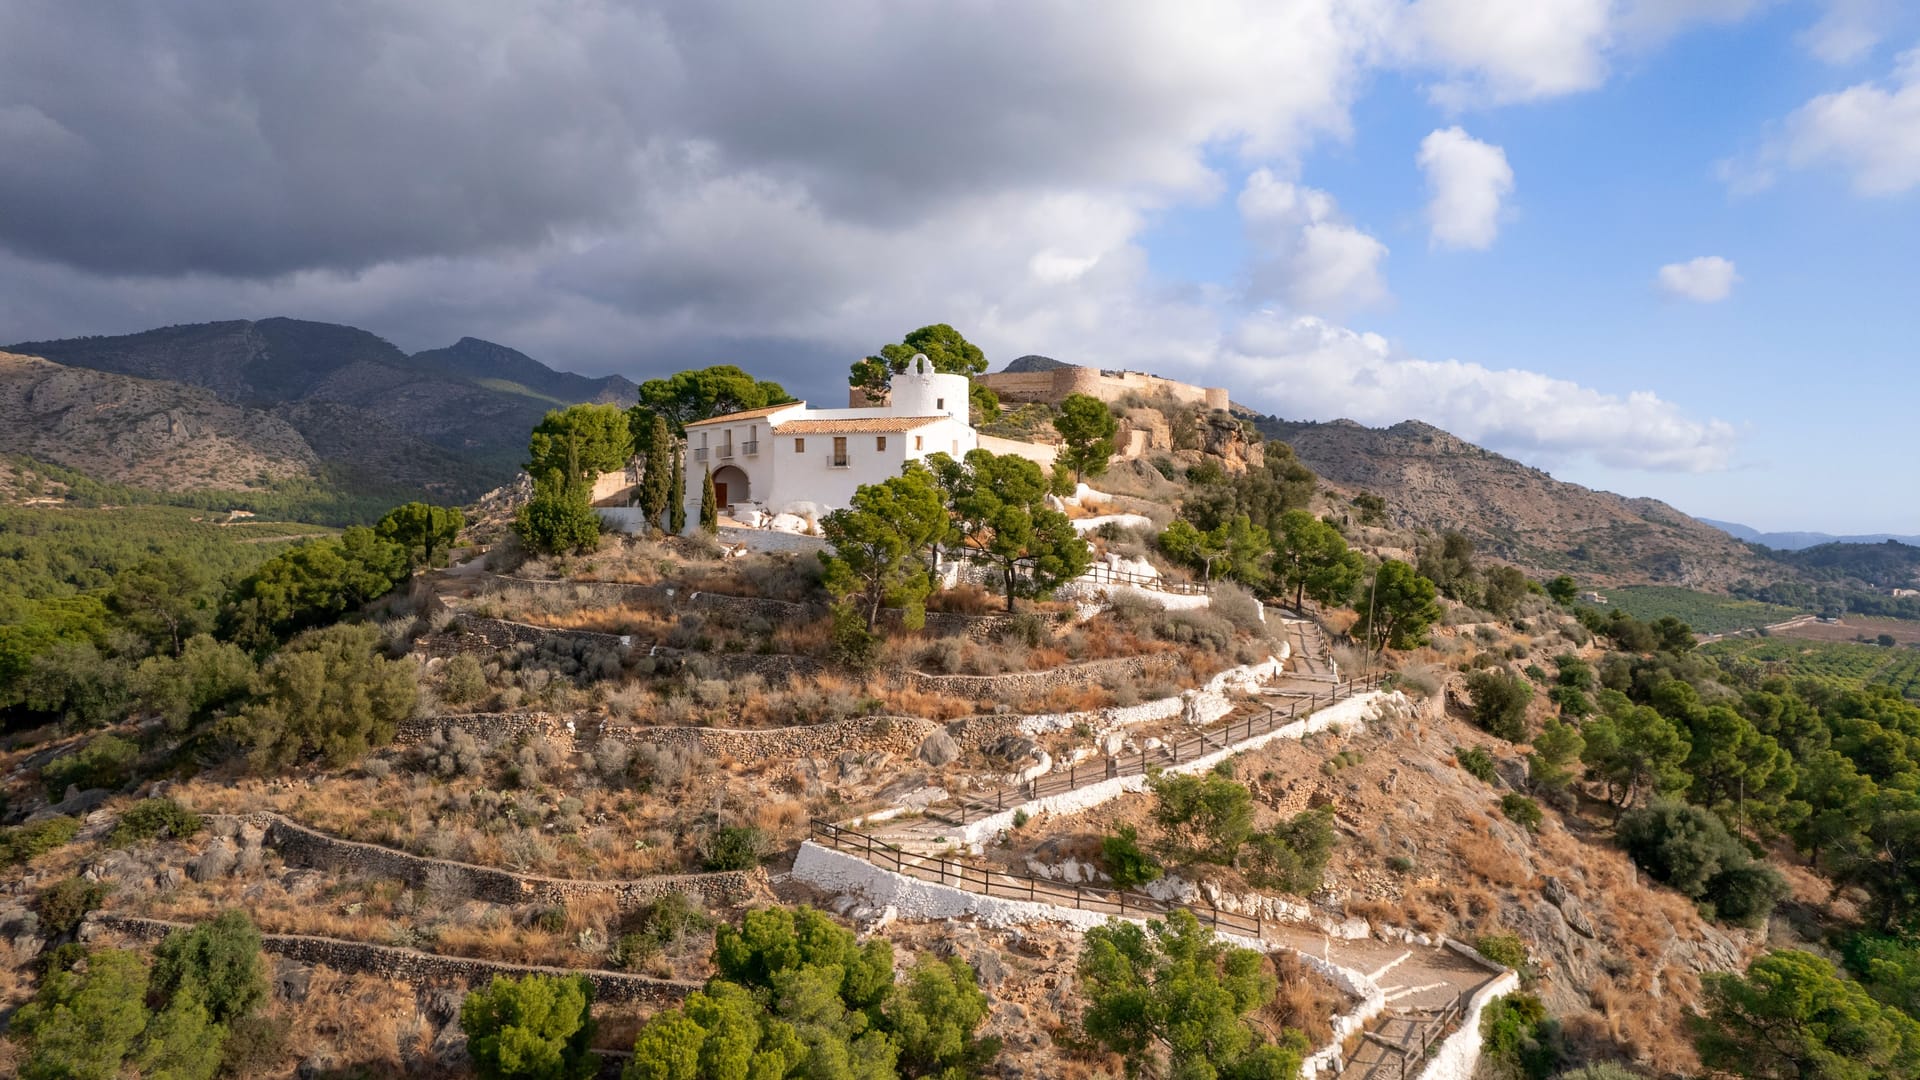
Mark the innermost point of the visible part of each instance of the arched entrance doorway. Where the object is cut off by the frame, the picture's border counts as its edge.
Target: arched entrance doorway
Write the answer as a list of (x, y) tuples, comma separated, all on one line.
[(730, 486)]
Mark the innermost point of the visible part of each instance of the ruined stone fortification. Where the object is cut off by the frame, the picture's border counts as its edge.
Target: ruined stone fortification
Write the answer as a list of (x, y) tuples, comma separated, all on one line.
[(408, 965), (1052, 386), (301, 846)]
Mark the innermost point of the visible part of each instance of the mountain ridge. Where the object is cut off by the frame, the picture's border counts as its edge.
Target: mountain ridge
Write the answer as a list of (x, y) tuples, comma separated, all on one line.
[(1435, 480), (1799, 541), (451, 422)]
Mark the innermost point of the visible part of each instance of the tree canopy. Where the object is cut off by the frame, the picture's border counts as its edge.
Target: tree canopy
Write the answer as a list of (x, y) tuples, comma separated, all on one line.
[(1172, 1000), (537, 1027), (999, 501), (875, 543), (688, 396), (580, 442), (1792, 1016), (1087, 428), (1399, 608), (423, 530)]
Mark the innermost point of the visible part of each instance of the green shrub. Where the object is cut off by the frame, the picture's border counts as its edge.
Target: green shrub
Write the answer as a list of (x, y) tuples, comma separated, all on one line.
[(24, 843), (1020, 819), (1202, 818), (1127, 863), (1476, 761), (1518, 1038), (1507, 950), (219, 960), (466, 681), (1500, 703), (150, 819), (1689, 848), (63, 904), (1400, 864), (105, 762), (1292, 856), (552, 920), (732, 847), (1521, 810)]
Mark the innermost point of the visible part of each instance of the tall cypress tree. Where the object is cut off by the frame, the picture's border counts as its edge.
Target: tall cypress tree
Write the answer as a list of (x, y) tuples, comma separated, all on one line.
[(677, 504), (709, 505), (656, 487)]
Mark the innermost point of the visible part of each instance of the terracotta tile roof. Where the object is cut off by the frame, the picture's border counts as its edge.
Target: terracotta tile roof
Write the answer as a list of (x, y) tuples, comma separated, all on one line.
[(750, 414), (877, 425)]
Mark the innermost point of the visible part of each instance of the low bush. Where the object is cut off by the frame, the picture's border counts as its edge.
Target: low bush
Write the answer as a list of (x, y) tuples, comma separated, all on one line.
[(1292, 856), (1126, 861), (1476, 761), (105, 762), (150, 819), (1521, 810), (63, 904), (1500, 703), (732, 847), (24, 843)]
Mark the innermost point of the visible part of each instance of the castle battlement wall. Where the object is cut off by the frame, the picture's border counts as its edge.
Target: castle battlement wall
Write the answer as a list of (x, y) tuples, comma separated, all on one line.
[(1052, 387)]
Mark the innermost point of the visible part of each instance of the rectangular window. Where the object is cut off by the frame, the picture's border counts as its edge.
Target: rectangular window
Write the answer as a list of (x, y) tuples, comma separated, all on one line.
[(919, 442), (839, 459), (956, 448), (799, 446), (880, 443), (939, 403)]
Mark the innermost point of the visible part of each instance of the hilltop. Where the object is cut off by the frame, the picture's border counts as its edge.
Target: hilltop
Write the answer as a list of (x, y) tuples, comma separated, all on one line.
[(240, 403), (1432, 479), (1797, 541)]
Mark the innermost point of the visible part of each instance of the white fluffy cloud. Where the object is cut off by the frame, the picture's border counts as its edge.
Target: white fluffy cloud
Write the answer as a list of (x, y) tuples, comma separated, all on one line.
[(1848, 30), (1705, 279), (1469, 180), (1304, 366), (1708, 279), (1308, 256), (1870, 130)]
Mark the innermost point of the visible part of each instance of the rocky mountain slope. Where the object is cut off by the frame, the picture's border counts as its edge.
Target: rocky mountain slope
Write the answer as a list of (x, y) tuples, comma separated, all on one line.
[(145, 432), (449, 421), (1435, 480)]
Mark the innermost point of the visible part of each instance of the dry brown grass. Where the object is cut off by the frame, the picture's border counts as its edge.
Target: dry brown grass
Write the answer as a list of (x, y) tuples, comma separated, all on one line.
[(1304, 1001)]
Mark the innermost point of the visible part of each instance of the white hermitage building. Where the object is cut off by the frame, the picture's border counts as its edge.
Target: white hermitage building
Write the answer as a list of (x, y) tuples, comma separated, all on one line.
[(794, 459)]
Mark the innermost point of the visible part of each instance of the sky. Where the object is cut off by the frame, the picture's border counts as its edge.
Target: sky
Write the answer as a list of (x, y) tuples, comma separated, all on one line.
[(1661, 247)]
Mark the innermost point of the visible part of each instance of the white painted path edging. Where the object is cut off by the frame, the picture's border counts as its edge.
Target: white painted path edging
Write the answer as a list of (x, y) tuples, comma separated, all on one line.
[(1354, 711), (1459, 1053), (839, 872)]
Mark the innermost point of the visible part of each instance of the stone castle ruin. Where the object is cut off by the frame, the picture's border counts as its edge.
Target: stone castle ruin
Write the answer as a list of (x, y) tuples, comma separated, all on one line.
[(1049, 381)]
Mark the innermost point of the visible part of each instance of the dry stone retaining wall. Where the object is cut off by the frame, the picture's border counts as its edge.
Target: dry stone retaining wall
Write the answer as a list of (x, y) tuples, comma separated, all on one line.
[(1071, 676), (409, 965), (301, 846)]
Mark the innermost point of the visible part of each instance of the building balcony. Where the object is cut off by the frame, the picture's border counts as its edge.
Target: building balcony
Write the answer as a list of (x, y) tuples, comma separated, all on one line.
[(726, 453), (751, 447), (839, 461), (700, 453)]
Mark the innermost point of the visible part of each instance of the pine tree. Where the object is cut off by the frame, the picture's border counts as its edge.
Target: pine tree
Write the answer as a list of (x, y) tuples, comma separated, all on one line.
[(709, 505)]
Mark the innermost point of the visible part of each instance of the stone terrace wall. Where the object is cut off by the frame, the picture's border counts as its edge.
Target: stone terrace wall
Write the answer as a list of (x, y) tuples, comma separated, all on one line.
[(939, 623), (301, 846), (1074, 676), (408, 965), (894, 734)]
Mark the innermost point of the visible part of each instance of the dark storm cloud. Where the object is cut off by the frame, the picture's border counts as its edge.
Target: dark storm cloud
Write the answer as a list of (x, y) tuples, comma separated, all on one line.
[(257, 139)]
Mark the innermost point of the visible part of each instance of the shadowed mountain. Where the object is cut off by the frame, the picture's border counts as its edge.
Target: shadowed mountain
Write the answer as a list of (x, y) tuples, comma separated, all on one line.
[(1796, 541)]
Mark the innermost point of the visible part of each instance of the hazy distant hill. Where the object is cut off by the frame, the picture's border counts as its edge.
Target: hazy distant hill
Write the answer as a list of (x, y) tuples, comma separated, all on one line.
[(1433, 479), (451, 421), (1796, 541)]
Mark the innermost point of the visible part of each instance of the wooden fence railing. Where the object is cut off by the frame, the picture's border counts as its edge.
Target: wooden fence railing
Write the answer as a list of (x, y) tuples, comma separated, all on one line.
[(1412, 1054), (973, 807), (985, 882)]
